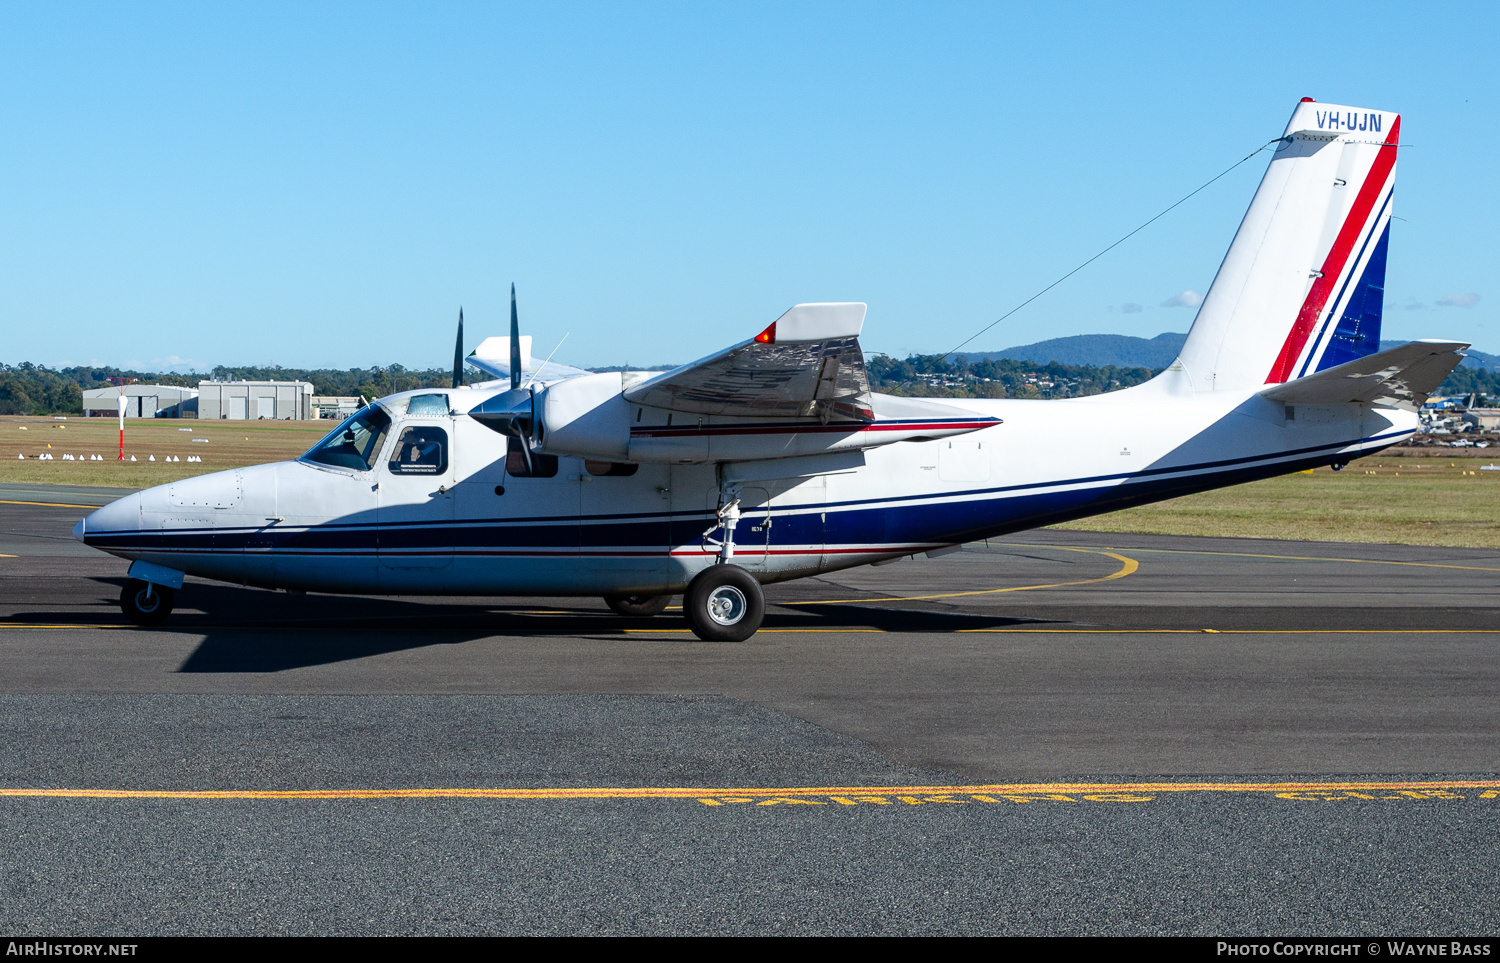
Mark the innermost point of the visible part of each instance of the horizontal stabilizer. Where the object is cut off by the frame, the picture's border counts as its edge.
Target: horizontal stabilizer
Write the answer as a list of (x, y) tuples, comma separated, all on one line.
[(1399, 378), (808, 362)]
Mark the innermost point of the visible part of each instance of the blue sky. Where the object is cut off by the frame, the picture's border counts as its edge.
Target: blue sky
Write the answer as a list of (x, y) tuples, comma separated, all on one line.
[(325, 184)]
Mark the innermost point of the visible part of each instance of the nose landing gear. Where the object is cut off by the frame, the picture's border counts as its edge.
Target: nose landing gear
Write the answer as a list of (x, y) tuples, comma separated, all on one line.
[(145, 603)]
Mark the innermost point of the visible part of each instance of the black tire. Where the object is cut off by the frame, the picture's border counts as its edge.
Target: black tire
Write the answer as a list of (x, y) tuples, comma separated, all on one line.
[(637, 606), (146, 604), (724, 603)]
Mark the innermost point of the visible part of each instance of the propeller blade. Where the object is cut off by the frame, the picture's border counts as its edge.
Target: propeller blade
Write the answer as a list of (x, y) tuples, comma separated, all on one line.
[(458, 352), (515, 341)]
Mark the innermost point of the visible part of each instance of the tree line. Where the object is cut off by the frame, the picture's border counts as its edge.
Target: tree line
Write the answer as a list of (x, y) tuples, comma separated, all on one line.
[(31, 389)]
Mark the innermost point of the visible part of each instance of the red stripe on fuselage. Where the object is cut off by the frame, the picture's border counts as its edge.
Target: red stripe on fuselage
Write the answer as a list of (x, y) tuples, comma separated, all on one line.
[(1338, 257), (847, 428)]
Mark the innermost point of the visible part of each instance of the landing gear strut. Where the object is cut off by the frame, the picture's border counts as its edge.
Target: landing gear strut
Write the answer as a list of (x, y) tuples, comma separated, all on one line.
[(145, 603)]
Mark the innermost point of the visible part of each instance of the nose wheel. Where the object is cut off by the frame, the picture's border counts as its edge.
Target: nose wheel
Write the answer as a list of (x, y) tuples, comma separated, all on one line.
[(145, 603), (724, 603)]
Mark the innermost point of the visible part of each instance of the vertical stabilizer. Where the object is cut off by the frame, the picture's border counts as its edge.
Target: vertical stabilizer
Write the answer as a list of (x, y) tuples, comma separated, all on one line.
[(1303, 285)]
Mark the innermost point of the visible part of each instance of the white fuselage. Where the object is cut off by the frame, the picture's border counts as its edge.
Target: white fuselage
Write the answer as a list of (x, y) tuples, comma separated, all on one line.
[(306, 526)]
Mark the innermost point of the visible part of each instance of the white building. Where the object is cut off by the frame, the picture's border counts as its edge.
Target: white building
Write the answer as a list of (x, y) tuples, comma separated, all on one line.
[(141, 401), (255, 400), (335, 406)]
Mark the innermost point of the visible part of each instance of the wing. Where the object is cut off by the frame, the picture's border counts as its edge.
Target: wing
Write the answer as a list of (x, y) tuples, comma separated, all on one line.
[(1400, 378), (493, 357), (808, 362)]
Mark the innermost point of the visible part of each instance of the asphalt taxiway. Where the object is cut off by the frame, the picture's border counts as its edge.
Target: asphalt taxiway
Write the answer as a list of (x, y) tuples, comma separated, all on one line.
[(1053, 732)]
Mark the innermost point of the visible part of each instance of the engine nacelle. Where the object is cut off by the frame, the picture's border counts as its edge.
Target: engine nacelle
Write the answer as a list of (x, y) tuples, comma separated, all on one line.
[(589, 417), (585, 416)]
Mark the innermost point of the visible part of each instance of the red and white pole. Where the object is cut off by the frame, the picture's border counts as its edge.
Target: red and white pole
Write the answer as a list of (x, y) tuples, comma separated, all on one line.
[(122, 423)]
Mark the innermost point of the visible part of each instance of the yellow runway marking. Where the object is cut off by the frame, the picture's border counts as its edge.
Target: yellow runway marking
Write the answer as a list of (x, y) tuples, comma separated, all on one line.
[(1127, 568), (49, 504), (1287, 558), (1409, 789), (867, 630)]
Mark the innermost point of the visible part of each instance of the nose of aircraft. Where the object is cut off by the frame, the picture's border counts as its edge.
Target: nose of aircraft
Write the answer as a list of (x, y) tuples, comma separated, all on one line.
[(122, 515)]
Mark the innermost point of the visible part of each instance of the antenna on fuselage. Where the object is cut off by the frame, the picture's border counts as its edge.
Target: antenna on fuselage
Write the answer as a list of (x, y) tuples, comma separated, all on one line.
[(458, 352)]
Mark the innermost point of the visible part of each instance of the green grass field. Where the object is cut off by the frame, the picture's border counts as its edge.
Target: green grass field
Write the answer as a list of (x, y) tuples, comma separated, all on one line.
[(1402, 496), (222, 445)]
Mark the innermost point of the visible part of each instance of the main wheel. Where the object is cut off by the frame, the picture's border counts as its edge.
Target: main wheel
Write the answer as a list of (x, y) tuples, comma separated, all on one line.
[(144, 603), (724, 603), (637, 606)]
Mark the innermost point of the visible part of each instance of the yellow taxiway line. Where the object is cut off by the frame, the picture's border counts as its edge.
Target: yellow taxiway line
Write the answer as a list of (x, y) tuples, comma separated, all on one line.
[(1286, 558), (1128, 567), (49, 504), (868, 630), (784, 792)]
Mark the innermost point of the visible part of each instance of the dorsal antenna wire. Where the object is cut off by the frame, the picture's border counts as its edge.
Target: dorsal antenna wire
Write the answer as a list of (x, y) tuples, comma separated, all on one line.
[(1122, 240)]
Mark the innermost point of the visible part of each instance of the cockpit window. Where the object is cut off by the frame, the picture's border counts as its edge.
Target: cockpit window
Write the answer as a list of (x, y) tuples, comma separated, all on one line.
[(354, 444), (422, 450), (427, 405)]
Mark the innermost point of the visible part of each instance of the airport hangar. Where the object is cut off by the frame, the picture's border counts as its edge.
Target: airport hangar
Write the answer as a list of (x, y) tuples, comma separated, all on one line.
[(221, 400)]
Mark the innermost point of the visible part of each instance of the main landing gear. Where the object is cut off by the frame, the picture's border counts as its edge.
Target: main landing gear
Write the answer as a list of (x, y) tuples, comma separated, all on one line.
[(724, 603), (145, 603)]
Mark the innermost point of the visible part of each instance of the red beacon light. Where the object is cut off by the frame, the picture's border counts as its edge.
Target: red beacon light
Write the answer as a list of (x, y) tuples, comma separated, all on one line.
[(767, 336)]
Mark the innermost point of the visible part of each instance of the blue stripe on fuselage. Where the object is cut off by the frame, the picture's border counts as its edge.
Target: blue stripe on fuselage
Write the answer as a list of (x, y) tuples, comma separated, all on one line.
[(889, 520)]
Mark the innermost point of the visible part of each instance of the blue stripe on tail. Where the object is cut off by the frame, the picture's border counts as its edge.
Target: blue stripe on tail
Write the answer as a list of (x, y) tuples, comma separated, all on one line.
[(1358, 333)]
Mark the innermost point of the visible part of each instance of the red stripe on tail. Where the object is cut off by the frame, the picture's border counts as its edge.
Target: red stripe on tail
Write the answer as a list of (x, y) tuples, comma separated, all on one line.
[(1338, 256)]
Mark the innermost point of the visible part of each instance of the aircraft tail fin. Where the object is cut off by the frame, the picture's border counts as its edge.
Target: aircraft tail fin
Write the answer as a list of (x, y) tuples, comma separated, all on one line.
[(1302, 287)]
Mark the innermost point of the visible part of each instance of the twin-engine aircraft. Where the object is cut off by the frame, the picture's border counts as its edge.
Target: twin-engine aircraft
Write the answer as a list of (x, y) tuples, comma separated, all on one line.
[(773, 459)]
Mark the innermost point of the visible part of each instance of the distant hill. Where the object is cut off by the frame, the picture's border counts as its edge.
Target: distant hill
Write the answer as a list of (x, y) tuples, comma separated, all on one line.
[(1123, 350), (1120, 350)]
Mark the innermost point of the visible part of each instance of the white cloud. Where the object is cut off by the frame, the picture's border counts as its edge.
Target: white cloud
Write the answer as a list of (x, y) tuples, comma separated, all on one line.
[(173, 362), (1414, 305), (1458, 300), (1131, 308), (1187, 299)]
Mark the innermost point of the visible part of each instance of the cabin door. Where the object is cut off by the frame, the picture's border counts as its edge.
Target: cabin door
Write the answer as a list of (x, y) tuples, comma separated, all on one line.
[(415, 499)]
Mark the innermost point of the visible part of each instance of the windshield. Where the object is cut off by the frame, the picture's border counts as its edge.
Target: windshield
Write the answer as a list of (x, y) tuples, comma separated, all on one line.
[(354, 444)]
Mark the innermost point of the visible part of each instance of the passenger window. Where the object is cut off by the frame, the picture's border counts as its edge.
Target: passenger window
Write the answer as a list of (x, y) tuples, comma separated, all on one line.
[(542, 466), (421, 450), (618, 469)]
